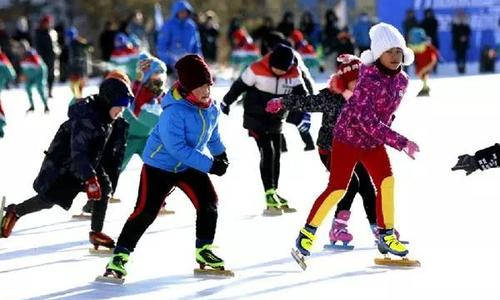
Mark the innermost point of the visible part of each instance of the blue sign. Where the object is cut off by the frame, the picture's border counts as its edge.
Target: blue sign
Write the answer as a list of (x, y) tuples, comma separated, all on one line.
[(483, 15)]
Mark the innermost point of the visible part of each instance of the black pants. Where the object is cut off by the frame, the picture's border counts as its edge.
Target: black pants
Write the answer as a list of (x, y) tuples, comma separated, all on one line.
[(64, 191), (154, 187), (269, 145), (360, 183), (461, 59)]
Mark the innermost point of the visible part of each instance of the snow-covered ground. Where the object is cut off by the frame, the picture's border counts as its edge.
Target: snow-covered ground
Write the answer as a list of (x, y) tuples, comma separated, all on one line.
[(451, 220)]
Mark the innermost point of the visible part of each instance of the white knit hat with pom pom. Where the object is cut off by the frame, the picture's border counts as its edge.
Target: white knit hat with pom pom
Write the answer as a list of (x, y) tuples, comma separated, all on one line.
[(384, 37)]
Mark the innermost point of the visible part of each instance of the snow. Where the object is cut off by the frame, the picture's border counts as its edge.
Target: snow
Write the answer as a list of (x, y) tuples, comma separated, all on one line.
[(450, 219)]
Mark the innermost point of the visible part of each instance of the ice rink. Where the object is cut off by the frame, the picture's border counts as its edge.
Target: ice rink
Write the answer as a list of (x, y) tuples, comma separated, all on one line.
[(451, 220)]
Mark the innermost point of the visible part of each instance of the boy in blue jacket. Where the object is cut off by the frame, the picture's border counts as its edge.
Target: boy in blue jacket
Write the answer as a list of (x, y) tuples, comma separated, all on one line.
[(174, 157)]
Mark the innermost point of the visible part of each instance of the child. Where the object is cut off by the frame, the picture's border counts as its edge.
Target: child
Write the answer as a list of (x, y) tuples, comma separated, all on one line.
[(305, 49), (174, 156), (73, 162), (125, 56), (330, 102), (7, 74), (426, 57), (35, 73), (78, 61), (244, 52), (360, 135), (274, 75)]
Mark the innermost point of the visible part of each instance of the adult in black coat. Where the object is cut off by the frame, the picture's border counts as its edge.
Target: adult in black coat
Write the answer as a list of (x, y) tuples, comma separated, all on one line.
[(287, 24), (460, 32), (82, 157), (106, 39), (46, 45)]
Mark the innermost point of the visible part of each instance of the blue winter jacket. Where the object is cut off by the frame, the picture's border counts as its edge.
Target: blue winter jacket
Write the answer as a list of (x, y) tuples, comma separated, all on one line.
[(182, 135), (178, 37)]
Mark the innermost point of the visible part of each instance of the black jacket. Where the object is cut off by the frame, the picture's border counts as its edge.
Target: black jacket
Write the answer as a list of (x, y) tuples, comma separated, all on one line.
[(78, 148)]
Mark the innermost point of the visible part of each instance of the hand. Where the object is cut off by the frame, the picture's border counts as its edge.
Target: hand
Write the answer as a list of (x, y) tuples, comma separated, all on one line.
[(224, 108), (305, 124), (219, 167), (274, 105), (467, 163), (410, 149), (222, 156), (93, 189)]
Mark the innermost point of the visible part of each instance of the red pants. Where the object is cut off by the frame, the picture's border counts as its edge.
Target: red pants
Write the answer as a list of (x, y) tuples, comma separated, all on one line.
[(343, 160)]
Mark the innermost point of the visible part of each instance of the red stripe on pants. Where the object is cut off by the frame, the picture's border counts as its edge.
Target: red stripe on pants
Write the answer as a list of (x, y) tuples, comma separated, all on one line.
[(143, 196), (188, 190)]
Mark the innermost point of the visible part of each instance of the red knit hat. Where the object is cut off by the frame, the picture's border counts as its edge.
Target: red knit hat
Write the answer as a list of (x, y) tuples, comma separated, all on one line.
[(193, 72), (348, 69)]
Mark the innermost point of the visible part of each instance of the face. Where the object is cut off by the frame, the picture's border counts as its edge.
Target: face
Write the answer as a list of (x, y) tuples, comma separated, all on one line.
[(116, 111), (202, 93), (351, 85), (392, 58), (183, 14), (278, 72)]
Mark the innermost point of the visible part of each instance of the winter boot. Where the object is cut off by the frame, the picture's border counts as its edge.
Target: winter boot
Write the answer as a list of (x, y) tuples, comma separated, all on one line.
[(46, 109), (116, 265), (284, 204), (100, 239), (205, 257), (9, 220), (272, 206), (424, 92), (30, 110), (305, 240), (339, 228), (388, 242)]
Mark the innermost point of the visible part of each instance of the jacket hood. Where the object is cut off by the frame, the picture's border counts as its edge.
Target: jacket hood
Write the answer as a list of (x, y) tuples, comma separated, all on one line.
[(181, 5), (174, 97), (90, 108)]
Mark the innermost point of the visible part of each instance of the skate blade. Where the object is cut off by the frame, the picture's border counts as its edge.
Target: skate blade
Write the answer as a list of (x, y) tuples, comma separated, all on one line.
[(82, 216), (288, 210), (164, 212), (110, 279), (272, 212), (402, 262), (338, 247), (114, 200), (101, 252), (299, 258), (213, 273), (2, 207)]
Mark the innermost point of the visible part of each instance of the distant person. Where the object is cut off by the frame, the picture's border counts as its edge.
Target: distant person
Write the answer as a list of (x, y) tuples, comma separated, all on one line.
[(460, 32), (310, 29), (210, 35), (261, 34), (287, 24), (106, 40), (46, 45), (178, 36), (360, 32), (78, 61), (410, 21), (329, 39), (136, 28)]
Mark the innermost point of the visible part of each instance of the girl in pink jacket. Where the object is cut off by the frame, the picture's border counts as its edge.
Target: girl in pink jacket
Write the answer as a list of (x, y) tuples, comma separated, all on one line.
[(361, 133)]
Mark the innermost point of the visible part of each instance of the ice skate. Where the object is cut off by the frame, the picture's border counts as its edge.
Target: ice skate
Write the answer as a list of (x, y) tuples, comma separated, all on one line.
[(46, 110), (284, 204), (86, 213), (400, 262), (206, 258), (388, 243), (424, 92), (114, 200), (30, 110), (374, 229), (272, 207), (339, 233), (9, 219), (100, 239), (115, 269), (303, 245)]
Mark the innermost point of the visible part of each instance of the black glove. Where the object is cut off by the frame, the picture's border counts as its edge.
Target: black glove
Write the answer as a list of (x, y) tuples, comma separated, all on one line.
[(222, 156), (219, 167), (224, 108), (467, 163)]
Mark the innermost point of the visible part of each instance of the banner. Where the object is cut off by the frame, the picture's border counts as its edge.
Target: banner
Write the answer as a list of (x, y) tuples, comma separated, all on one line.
[(484, 17)]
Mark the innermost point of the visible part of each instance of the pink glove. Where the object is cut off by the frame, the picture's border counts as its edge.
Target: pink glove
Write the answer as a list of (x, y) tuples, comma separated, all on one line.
[(274, 105), (410, 149)]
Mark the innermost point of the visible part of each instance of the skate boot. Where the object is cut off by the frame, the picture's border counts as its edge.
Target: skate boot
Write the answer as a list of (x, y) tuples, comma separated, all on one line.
[(388, 242), (424, 92), (339, 232), (115, 269), (205, 257), (46, 109), (9, 220), (101, 239), (375, 229), (272, 206), (284, 204), (303, 245), (30, 110)]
